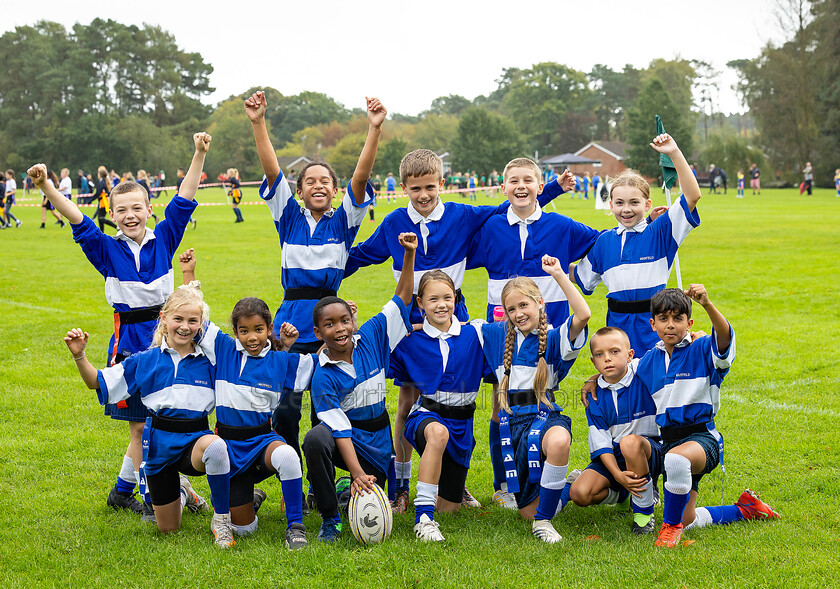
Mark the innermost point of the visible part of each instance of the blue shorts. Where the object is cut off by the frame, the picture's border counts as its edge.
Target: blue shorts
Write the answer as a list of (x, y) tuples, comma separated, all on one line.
[(244, 453), (520, 425), (654, 465), (132, 409), (709, 444)]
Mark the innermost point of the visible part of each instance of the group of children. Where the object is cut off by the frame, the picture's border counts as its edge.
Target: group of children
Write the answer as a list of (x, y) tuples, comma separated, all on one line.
[(169, 367)]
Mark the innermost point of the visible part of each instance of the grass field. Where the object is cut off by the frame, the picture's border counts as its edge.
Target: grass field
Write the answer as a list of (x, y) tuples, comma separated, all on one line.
[(769, 263)]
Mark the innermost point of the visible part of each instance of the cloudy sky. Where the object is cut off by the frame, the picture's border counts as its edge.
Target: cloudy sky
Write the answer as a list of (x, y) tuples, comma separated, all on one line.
[(408, 53)]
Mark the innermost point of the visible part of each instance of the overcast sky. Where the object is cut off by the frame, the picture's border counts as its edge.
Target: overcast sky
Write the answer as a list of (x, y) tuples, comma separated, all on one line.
[(408, 53)]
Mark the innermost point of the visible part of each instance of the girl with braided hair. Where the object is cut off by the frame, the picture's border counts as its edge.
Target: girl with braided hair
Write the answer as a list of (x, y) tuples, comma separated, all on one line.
[(530, 358)]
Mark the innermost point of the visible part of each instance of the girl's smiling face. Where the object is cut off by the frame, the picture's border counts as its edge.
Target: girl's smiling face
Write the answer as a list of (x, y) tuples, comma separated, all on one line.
[(522, 311), (182, 326), (438, 302), (252, 333)]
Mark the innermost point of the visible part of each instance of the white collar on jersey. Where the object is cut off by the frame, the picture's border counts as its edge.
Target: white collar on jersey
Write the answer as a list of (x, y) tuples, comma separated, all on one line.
[(262, 354), (638, 227), (686, 341), (308, 213), (514, 220), (324, 359), (149, 235), (164, 347), (623, 383), (434, 332), (416, 217)]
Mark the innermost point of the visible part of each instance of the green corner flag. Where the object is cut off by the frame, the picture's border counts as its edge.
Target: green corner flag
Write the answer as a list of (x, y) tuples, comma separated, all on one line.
[(669, 173)]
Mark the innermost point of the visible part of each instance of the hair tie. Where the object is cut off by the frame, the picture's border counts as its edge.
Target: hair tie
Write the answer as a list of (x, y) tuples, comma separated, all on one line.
[(195, 284), (541, 356), (507, 371)]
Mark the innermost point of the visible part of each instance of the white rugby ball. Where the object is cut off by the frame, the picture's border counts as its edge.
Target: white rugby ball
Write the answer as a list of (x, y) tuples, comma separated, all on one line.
[(370, 516)]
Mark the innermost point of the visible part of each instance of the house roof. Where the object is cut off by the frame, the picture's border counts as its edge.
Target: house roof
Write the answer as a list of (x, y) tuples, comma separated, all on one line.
[(616, 149), (288, 161), (566, 159)]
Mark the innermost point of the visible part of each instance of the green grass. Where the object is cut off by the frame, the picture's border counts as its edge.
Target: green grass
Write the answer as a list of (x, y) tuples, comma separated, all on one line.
[(769, 264)]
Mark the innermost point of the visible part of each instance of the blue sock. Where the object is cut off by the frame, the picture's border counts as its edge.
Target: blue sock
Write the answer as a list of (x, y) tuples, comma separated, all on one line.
[(123, 486), (336, 519), (674, 507), (549, 499), (419, 510), (725, 514), (219, 492), (293, 498), (496, 455), (392, 480), (565, 495)]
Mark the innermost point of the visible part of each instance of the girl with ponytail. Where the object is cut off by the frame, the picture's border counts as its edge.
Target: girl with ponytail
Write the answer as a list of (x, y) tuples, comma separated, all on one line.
[(530, 358)]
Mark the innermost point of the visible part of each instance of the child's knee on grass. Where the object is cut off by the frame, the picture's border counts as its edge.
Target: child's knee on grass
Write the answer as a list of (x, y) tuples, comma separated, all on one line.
[(168, 517), (589, 489)]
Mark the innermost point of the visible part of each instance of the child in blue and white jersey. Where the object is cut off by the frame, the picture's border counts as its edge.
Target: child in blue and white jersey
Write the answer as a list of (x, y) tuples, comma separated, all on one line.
[(314, 240), (137, 267), (445, 362), (251, 375), (529, 359), (513, 245), (174, 380), (624, 442), (684, 378), (634, 260), (348, 392), (445, 230)]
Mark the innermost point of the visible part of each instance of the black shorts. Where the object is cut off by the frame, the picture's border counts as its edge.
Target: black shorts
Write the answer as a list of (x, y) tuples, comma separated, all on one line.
[(453, 476), (47, 204), (242, 485), (165, 486), (710, 446)]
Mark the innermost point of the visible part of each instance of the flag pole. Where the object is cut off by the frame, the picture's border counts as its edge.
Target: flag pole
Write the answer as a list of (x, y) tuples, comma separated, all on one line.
[(677, 255)]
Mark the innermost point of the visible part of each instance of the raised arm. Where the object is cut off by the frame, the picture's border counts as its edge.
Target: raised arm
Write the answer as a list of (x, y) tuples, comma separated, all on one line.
[(698, 293), (63, 205), (190, 184), (405, 286), (255, 109), (577, 304), (688, 183), (76, 341), (187, 261), (563, 183), (376, 116)]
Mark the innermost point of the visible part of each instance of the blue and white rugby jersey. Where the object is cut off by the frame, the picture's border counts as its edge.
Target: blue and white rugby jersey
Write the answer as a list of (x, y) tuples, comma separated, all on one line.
[(342, 392), (447, 367), (169, 386), (249, 388), (686, 385), (444, 240), (622, 409), (560, 354), (508, 247), (313, 254), (634, 265), (136, 276)]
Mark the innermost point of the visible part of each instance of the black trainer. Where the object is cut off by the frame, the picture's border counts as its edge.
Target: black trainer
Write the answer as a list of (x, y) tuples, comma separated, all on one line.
[(296, 537), (259, 497), (148, 514), (119, 501)]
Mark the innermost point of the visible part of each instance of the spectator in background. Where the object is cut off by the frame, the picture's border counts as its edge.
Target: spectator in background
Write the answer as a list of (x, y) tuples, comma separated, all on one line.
[(723, 178), (809, 178), (755, 181)]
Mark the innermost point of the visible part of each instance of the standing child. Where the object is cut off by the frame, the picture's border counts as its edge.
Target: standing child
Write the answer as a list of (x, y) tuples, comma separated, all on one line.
[(446, 363), (11, 189), (684, 378), (100, 197), (46, 205), (174, 381), (348, 393), (624, 442), (529, 360), (137, 267), (585, 185), (596, 181), (634, 260), (143, 180), (251, 374), (315, 240), (390, 187), (234, 192), (837, 181), (446, 230), (513, 245), (740, 184)]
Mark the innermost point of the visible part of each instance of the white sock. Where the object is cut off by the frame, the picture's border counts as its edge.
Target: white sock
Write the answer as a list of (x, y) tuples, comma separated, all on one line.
[(127, 472), (250, 528), (678, 469), (286, 462), (403, 470), (426, 494), (216, 459), (611, 498), (702, 518), (183, 499), (503, 488), (646, 499)]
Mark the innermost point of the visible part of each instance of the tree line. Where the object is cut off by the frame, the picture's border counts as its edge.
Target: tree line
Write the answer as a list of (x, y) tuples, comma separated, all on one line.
[(128, 96)]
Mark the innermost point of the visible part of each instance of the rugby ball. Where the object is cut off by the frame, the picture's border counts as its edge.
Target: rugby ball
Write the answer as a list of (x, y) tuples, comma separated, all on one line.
[(370, 516)]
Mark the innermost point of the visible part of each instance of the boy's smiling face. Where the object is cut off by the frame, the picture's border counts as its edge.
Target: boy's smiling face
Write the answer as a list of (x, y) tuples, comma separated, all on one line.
[(317, 189), (130, 211), (521, 187), (423, 192)]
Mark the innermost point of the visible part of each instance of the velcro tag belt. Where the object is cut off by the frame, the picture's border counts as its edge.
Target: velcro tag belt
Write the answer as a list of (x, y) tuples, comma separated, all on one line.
[(241, 433)]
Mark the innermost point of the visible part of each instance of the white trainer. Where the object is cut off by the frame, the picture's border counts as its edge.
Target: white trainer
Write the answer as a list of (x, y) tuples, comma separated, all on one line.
[(222, 530), (195, 502), (505, 500), (573, 476), (428, 530), (543, 530)]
